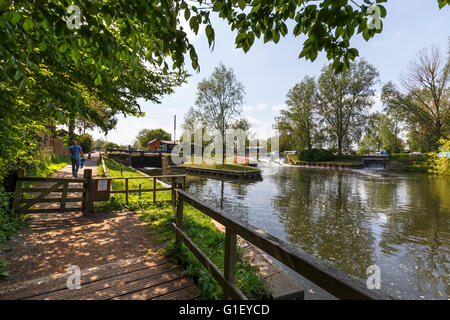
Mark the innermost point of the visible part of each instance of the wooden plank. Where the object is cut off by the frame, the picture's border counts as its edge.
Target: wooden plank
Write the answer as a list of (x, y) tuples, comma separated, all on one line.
[(330, 279), (104, 286), (34, 190), (42, 179), (230, 259), (210, 266), (157, 290), (155, 280), (101, 274), (39, 198), (188, 293), (50, 200), (53, 210)]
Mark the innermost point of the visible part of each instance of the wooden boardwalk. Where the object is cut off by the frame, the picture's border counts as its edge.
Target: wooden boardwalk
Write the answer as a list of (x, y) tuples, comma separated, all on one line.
[(143, 278), (118, 255)]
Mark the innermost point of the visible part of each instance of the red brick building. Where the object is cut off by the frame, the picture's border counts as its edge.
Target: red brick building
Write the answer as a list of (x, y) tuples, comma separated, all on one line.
[(157, 145)]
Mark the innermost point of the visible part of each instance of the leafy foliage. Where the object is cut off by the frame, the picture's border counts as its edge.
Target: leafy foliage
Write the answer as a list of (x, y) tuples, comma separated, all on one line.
[(300, 120), (440, 165), (146, 135), (344, 100), (424, 101), (219, 100), (316, 155)]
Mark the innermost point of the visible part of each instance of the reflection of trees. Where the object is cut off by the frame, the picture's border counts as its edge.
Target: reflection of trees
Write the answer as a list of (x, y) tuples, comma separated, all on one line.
[(418, 223), (324, 216), (230, 196)]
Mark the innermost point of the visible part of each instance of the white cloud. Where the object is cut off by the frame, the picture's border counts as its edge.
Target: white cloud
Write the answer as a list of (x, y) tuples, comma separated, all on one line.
[(278, 107), (257, 107), (259, 128), (378, 104)]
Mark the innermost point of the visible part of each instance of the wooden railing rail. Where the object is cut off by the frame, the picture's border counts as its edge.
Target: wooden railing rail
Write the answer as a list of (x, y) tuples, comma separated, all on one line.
[(332, 280)]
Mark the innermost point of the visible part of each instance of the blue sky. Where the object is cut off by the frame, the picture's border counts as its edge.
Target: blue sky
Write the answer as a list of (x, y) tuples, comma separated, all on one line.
[(269, 70)]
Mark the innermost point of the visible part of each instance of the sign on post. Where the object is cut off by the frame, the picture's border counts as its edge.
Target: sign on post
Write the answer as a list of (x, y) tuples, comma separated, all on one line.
[(102, 189)]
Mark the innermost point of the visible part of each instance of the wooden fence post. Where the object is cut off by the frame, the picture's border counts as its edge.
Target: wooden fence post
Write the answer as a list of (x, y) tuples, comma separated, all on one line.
[(173, 191), (88, 204), (64, 197), (230, 259), (154, 190), (126, 190), (179, 222), (18, 190)]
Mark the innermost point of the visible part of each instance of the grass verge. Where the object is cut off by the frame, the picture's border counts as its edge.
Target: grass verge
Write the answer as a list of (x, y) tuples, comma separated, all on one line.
[(199, 228)]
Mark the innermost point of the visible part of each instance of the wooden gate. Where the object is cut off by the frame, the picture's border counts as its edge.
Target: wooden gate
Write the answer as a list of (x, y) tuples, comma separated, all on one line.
[(25, 196)]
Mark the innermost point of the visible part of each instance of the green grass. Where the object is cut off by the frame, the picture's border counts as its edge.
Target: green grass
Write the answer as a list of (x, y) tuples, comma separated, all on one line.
[(198, 227), (45, 168)]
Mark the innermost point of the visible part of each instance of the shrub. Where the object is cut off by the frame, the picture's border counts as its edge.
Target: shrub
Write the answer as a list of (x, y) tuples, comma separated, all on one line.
[(316, 155), (440, 165)]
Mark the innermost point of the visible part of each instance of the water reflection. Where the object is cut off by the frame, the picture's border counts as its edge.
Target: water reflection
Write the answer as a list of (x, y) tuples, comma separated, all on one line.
[(352, 219)]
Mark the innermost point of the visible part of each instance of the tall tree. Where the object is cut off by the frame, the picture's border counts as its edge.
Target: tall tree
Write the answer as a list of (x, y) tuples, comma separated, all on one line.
[(425, 98), (219, 100), (344, 101), (299, 121), (146, 135), (371, 140)]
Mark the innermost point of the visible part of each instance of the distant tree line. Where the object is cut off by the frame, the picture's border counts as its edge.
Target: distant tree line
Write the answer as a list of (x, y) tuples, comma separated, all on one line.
[(334, 111)]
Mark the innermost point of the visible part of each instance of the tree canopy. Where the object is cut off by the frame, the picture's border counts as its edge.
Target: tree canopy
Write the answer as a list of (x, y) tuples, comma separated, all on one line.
[(146, 135)]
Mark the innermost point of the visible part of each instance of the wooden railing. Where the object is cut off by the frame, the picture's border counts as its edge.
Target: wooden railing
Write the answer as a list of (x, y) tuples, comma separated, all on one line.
[(85, 186), (62, 185), (154, 190), (173, 186), (328, 278)]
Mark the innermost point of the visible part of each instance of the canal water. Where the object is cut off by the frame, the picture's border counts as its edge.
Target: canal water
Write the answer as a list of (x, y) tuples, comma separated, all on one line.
[(352, 219)]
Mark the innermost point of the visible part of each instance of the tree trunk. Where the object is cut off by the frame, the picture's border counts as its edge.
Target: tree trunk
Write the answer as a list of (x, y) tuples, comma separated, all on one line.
[(71, 126)]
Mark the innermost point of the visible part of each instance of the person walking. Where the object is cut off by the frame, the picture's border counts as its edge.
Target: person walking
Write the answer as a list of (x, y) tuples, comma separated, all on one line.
[(75, 151)]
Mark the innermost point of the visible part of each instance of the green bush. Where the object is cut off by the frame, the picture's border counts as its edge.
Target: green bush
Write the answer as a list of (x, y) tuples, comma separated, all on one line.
[(110, 145), (85, 140), (440, 165), (9, 224), (316, 155)]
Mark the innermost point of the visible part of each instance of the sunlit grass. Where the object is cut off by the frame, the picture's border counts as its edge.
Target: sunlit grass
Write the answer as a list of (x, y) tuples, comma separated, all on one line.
[(197, 225)]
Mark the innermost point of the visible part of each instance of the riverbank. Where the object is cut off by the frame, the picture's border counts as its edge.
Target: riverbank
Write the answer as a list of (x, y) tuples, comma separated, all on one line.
[(293, 160), (198, 227)]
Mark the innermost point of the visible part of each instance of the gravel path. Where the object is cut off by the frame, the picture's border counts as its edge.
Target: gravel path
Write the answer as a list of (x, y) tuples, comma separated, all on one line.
[(55, 241)]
